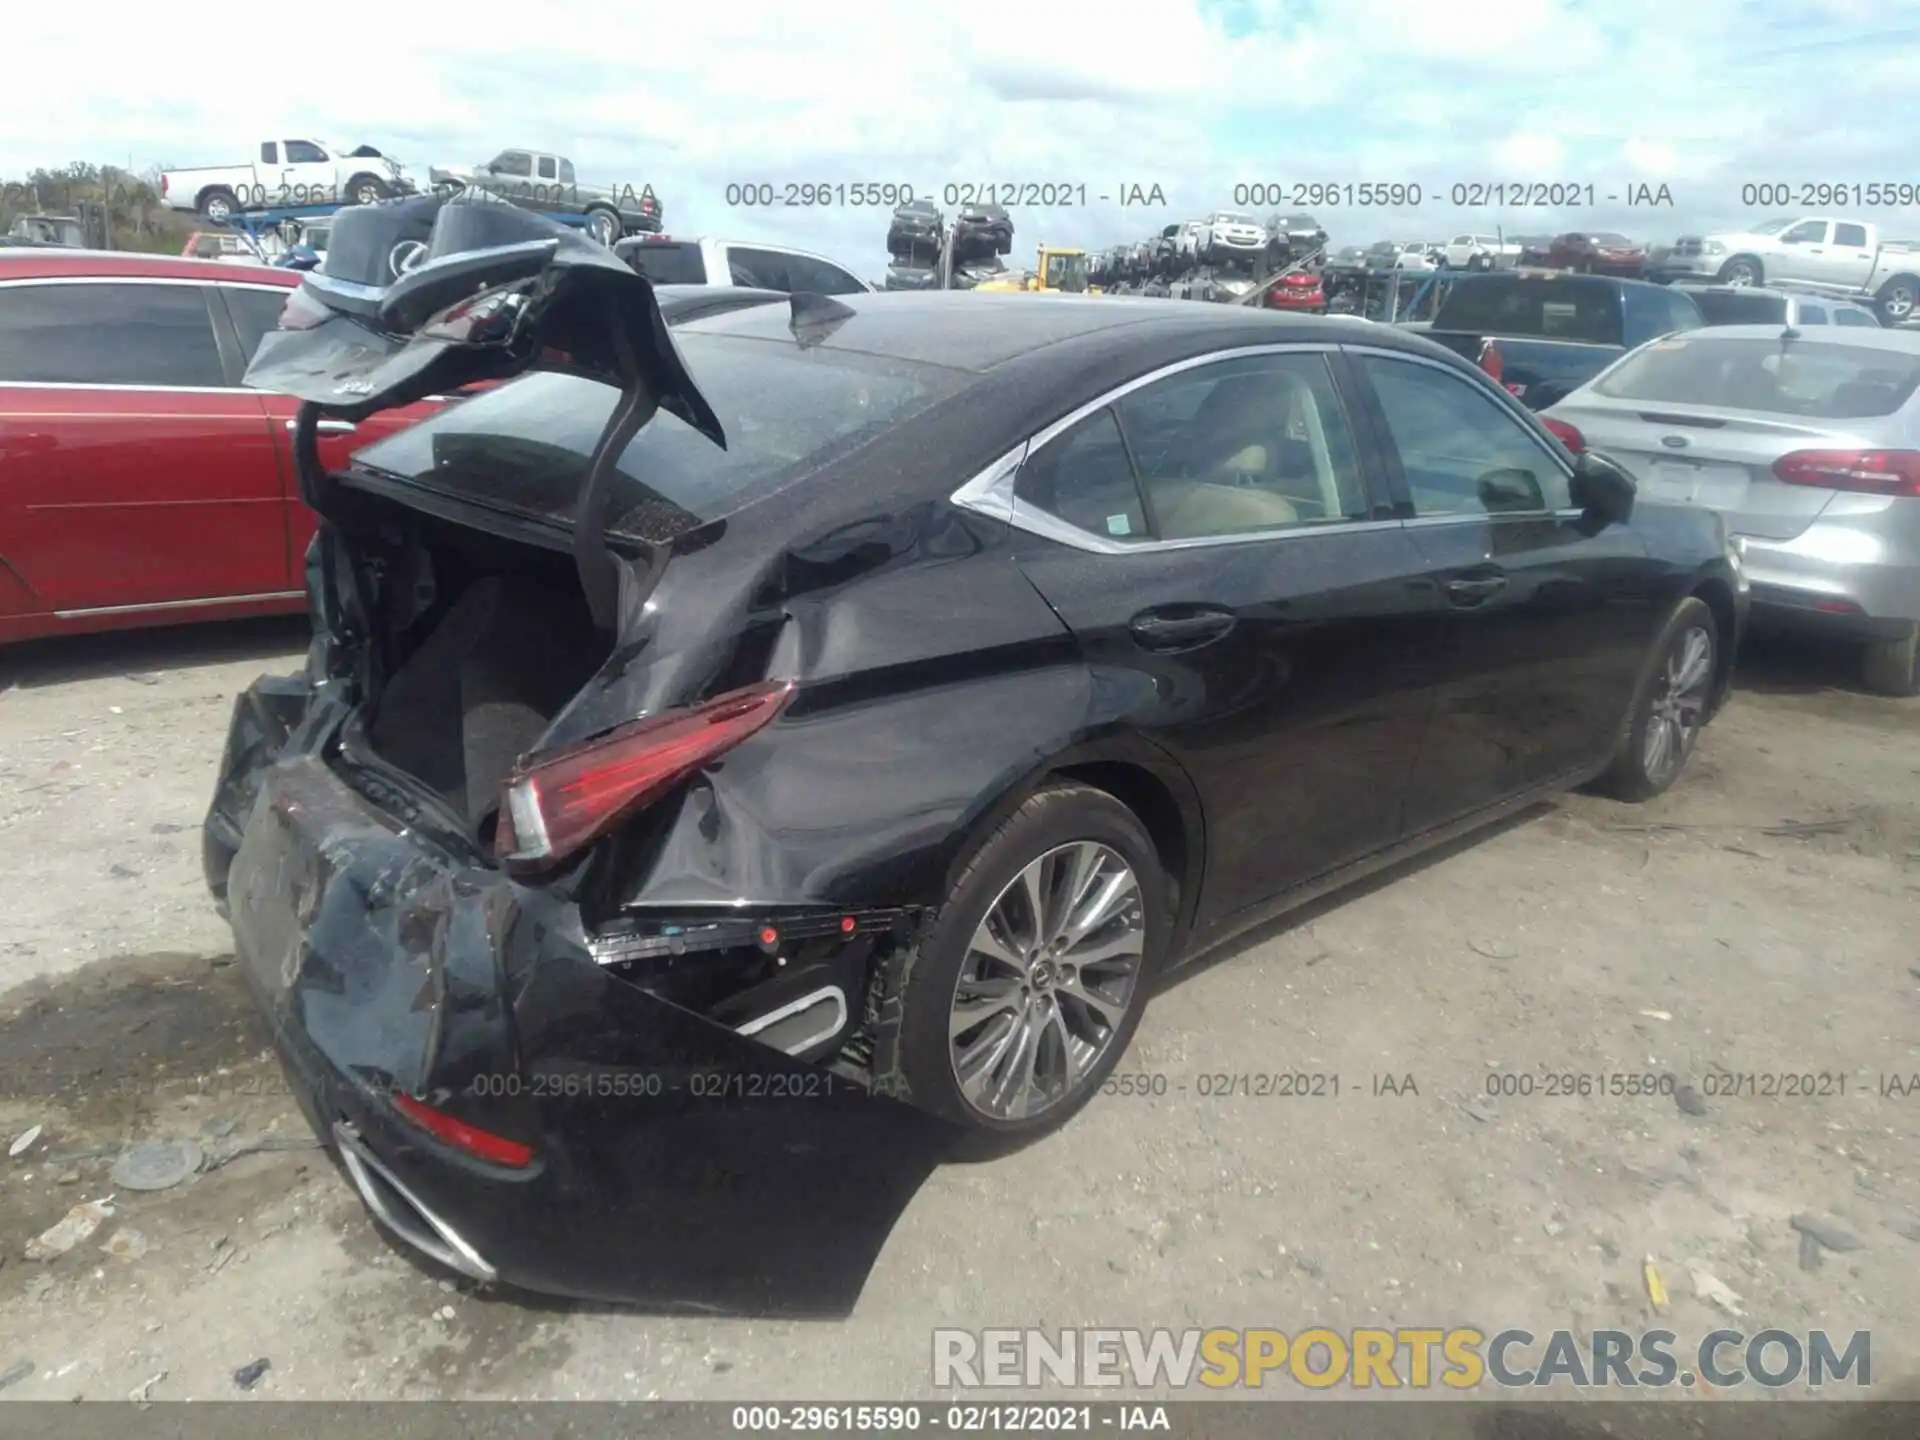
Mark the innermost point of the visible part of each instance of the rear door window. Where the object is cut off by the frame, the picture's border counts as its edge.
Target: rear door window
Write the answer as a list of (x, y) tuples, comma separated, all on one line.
[(1562, 308), (675, 263), (820, 277), (110, 334), (764, 269), (1812, 315), (254, 313), (1853, 236)]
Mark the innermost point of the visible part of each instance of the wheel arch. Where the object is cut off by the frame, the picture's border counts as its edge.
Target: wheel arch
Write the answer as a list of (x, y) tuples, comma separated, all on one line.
[(1138, 774), (1716, 592)]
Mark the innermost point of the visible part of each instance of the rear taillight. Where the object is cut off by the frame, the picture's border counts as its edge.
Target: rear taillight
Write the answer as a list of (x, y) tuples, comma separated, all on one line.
[(163, 187), (1871, 472), (565, 801), (470, 1139), (1566, 434)]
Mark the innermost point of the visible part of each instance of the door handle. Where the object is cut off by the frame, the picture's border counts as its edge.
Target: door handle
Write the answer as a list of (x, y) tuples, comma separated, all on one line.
[(1180, 627), (1472, 589), (326, 427)]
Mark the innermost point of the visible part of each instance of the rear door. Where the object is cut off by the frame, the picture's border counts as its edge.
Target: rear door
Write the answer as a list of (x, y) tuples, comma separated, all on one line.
[(134, 472), (252, 309), (1547, 624), (1243, 595), (1848, 263)]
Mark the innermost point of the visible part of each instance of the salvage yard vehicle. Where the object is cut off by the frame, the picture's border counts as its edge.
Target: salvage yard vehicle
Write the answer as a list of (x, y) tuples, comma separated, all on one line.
[(1603, 253), (140, 483), (1778, 305), (1293, 237), (286, 172), (670, 260), (67, 230), (1808, 444), (735, 763), (1541, 333), (547, 183), (1479, 252), (1226, 238), (1837, 256)]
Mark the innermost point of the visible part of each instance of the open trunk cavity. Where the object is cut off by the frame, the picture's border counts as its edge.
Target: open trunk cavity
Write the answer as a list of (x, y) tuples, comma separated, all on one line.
[(482, 641)]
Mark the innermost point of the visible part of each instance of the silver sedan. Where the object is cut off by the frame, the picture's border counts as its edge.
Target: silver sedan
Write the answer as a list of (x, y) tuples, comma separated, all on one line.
[(1808, 444)]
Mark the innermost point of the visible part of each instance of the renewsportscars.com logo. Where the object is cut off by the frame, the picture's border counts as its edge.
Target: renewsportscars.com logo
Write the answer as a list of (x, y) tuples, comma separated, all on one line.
[(1460, 1358)]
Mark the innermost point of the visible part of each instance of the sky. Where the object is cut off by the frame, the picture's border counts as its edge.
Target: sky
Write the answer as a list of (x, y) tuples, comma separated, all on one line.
[(1194, 97)]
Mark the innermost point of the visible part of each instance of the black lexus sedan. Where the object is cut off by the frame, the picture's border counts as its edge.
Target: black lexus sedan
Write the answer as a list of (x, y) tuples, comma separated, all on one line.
[(664, 839)]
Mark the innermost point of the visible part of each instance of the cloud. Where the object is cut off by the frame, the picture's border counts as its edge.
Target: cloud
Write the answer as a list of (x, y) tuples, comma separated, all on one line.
[(1200, 98)]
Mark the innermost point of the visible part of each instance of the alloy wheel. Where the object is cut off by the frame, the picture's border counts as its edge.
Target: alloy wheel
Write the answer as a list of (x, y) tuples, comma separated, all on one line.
[(1898, 302), (1679, 704), (1047, 981)]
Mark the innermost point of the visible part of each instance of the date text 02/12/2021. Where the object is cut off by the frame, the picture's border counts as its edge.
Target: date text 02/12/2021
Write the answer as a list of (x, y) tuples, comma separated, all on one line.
[(891, 194)]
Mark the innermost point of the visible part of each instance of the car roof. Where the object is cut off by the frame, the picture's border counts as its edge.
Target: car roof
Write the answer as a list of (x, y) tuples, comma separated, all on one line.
[(108, 264), (978, 331), (1903, 342)]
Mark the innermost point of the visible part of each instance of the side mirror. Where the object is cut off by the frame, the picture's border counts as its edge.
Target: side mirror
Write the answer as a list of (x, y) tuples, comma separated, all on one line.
[(1603, 489)]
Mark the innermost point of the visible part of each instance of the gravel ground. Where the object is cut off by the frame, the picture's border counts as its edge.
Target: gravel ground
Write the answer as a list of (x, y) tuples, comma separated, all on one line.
[(1759, 919)]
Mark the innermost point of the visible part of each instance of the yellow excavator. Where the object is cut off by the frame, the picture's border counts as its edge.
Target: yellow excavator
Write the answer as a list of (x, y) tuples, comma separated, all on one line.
[(1059, 269)]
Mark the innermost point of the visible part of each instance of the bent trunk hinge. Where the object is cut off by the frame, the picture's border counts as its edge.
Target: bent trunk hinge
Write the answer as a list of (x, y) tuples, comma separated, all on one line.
[(599, 573)]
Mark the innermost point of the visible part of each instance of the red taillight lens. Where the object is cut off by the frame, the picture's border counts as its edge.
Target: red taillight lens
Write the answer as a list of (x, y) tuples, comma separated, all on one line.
[(1566, 434), (1871, 472), (566, 801), (481, 1144), (163, 187)]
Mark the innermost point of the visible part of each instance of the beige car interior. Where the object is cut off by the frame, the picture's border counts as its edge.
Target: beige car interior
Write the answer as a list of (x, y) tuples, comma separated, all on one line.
[(1256, 458)]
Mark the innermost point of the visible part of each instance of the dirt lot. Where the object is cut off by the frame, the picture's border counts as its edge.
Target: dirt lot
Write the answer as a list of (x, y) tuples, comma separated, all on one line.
[(1760, 919)]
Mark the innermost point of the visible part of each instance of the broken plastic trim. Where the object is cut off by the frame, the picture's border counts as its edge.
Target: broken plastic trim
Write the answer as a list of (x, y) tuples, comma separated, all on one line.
[(498, 291)]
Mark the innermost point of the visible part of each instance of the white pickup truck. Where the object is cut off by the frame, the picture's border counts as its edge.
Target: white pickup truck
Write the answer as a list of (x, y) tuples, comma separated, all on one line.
[(286, 173), (1829, 254)]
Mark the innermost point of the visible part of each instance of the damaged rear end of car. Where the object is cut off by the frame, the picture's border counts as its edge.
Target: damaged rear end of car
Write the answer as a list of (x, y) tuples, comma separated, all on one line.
[(430, 842)]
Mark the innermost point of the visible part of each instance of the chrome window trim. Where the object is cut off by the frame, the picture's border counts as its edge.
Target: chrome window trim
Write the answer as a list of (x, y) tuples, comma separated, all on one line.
[(990, 492)]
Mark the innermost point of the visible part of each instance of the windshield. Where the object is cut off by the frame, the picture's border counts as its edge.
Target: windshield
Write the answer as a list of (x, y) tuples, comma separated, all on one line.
[(1772, 227), (1607, 237), (1569, 308), (1237, 220), (787, 413), (1066, 272), (1740, 307), (1301, 222), (1816, 381)]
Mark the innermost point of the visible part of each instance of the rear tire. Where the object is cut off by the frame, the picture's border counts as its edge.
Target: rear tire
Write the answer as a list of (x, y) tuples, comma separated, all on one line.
[(1897, 300), (604, 225), (1669, 708), (365, 190), (987, 969), (218, 207), (1892, 667)]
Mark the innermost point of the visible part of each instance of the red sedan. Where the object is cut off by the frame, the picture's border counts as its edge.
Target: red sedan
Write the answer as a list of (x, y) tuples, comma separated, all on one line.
[(1603, 254), (1298, 290), (140, 483)]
